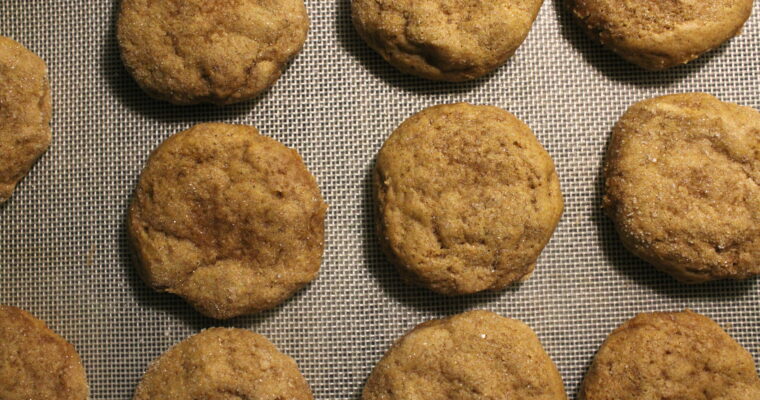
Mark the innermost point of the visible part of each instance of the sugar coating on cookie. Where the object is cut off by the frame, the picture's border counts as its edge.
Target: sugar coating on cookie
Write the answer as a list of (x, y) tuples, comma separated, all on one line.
[(683, 186), (661, 34), (197, 51), (25, 111), (449, 40), (473, 355), (228, 219), (676, 355), (467, 198), (223, 363), (36, 363)]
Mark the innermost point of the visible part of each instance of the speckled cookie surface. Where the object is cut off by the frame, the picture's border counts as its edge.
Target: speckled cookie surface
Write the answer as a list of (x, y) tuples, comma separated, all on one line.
[(223, 363), (474, 355), (467, 198), (36, 363), (675, 356), (661, 34), (228, 219), (198, 51), (25, 111), (449, 40), (683, 186)]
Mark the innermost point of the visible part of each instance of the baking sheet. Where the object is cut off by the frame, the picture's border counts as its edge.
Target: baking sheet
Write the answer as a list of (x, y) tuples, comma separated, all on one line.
[(63, 246)]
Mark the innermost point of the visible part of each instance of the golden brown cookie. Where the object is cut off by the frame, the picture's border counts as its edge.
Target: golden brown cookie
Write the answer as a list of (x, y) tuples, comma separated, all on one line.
[(467, 198), (198, 51), (674, 356), (661, 34), (445, 40), (223, 363), (683, 186), (473, 355), (25, 112), (228, 219), (36, 363)]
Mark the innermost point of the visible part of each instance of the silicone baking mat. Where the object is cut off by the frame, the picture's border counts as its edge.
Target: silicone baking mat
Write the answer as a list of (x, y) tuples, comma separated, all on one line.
[(63, 246)]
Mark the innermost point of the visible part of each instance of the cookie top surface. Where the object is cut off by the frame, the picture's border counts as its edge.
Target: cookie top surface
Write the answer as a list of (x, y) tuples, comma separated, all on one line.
[(36, 363), (467, 198), (223, 363), (474, 355), (25, 111), (228, 219), (676, 356), (661, 34), (449, 40), (197, 51), (683, 186)]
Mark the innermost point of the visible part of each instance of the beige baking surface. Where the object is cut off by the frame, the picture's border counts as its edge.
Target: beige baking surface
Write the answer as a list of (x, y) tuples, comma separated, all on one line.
[(64, 254)]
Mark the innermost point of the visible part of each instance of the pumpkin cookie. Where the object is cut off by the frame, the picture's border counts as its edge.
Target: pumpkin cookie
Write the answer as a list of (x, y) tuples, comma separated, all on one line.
[(450, 40), (661, 34), (223, 363), (474, 355), (36, 363), (25, 111), (228, 219), (198, 51), (467, 198), (683, 186), (677, 356)]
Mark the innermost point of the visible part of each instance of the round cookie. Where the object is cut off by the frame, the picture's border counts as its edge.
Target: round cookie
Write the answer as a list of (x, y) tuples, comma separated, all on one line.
[(676, 356), (473, 355), (661, 34), (36, 363), (223, 363), (683, 186), (467, 198), (228, 219), (445, 40), (25, 111), (198, 51)]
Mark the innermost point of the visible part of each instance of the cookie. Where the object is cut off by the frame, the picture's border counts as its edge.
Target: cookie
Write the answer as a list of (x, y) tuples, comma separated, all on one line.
[(25, 111), (676, 356), (36, 363), (198, 51), (661, 34), (450, 40), (467, 198), (683, 186), (223, 363), (473, 355), (228, 219)]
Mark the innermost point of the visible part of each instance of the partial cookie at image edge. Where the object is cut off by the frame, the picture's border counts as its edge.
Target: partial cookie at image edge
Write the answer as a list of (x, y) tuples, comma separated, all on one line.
[(198, 52), (25, 113), (223, 361), (475, 354), (675, 355), (37, 363)]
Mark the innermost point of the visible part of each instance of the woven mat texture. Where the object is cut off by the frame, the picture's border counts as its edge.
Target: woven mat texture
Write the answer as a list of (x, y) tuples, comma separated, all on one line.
[(63, 247)]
